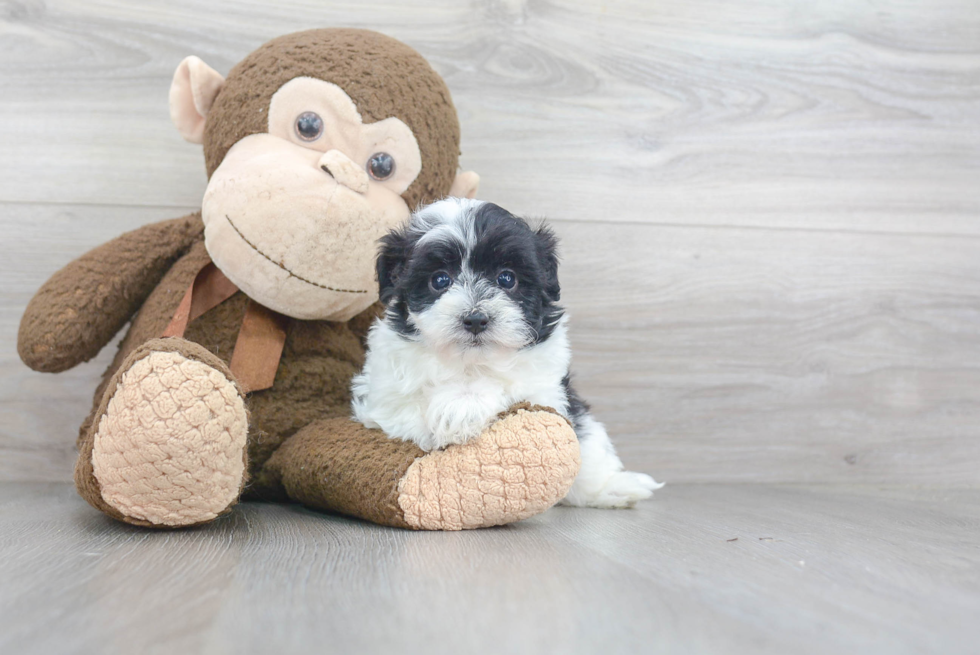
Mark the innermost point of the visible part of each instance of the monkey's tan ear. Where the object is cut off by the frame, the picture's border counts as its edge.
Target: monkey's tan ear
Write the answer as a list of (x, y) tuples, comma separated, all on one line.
[(466, 184), (192, 92)]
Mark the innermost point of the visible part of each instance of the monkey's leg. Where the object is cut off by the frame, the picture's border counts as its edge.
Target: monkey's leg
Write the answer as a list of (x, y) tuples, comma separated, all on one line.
[(167, 444), (520, 466)]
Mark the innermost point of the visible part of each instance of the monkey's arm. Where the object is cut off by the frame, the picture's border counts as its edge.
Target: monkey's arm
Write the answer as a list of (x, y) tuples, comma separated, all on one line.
[(82, 306)]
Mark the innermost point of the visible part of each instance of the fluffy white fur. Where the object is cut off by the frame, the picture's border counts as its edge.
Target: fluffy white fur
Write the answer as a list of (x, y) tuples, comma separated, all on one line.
[(445, 386), (441, 396)]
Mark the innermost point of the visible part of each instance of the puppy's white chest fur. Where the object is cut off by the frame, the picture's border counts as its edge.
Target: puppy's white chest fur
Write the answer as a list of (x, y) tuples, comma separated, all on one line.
[(439, 397)]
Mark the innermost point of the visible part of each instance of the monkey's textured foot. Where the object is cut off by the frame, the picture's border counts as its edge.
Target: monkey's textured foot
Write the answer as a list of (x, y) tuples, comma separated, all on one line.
[(520, 466), (169, 448)]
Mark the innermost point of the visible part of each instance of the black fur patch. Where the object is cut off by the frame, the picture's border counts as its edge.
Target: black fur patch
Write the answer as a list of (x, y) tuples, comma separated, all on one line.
[(505, 241), (577, 408)]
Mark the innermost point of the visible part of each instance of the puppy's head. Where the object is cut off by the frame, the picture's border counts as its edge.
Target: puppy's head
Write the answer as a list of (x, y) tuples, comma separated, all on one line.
[(468, 274)]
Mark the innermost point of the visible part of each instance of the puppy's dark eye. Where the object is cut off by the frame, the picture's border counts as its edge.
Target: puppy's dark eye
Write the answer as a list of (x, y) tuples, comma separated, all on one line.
[(440, 281), (507, 279), (381, 166), (309, 126)]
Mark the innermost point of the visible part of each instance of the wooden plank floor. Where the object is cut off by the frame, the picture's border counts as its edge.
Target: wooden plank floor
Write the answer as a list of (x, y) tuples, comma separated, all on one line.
[(701, 569)]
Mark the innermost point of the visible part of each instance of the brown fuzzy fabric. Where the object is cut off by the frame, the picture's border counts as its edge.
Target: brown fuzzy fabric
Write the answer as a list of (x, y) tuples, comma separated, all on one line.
[(87, 302), (312, 383), (157, 310), (383, 77), (340, 466)]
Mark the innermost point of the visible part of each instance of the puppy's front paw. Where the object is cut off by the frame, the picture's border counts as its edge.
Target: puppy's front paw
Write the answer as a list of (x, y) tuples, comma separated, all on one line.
[(621, 490), (458, 427), (455, 418)]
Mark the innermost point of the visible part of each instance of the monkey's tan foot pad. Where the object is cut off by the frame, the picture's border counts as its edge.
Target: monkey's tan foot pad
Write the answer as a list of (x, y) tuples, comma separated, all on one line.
[(520, 466), (170, 448)]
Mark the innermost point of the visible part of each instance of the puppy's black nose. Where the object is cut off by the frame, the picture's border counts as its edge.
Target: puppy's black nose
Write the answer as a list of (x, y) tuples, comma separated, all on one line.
[(476, 322)]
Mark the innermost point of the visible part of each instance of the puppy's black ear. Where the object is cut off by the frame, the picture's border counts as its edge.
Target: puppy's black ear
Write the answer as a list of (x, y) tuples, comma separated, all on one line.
[(396, 248), (547, 246)]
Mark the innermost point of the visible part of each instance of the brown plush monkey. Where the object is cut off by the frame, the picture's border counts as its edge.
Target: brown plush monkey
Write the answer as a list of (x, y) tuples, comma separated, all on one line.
[(248, 318)]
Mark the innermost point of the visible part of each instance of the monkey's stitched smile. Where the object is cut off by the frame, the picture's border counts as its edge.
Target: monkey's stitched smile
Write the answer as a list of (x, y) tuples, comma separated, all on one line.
[(298, 277)]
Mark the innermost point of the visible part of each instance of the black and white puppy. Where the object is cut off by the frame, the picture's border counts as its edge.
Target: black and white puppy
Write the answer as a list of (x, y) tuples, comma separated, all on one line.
[(472, 326)]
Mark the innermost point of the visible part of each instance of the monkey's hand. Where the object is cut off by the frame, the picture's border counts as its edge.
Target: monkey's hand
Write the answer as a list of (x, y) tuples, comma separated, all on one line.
[(86, 303)]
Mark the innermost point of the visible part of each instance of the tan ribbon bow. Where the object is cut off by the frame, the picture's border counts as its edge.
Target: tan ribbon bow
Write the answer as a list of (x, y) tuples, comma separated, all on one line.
[(261, 338)]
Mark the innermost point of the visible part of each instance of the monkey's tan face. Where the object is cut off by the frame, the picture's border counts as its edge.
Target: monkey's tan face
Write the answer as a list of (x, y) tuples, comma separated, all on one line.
[(293, 216)]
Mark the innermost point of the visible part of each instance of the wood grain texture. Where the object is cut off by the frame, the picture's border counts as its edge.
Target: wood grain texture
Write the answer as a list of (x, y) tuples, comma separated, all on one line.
[(779, 356), (769, 208), (766, 112), (699, 569)]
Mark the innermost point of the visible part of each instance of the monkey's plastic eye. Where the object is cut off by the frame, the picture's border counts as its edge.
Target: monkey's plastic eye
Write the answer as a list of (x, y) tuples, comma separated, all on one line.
[(381, 166), (440, 281), (507, 279), (309, 126)]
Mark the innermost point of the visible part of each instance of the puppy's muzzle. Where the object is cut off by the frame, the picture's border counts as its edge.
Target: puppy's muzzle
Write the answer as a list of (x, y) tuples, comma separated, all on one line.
[(476, 322)]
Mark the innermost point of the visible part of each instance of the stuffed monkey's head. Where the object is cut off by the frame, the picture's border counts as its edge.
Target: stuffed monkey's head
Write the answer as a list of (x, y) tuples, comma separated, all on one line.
[(316, 145)]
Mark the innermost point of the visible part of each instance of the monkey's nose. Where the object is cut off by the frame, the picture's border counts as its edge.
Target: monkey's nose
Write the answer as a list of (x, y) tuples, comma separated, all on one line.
[(476, 322), (343, 169)]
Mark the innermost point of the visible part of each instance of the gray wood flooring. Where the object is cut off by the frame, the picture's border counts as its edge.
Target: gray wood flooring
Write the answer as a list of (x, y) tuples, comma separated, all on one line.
[(702, 569)]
